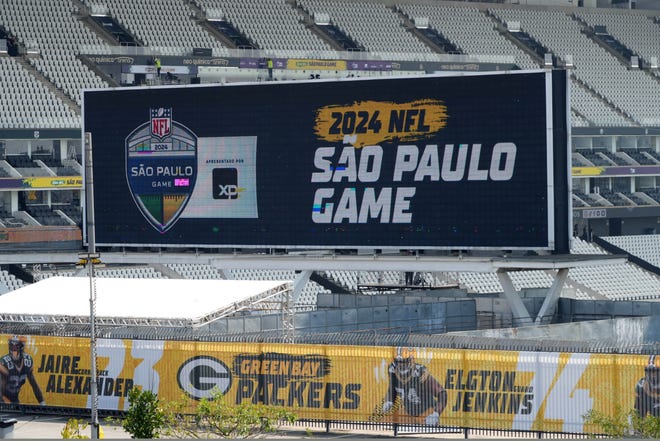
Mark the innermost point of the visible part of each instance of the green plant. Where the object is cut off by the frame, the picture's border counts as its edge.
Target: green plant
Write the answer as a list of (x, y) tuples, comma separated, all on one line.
[(144, 417), (214, 417), (624, 424), (72, 429)]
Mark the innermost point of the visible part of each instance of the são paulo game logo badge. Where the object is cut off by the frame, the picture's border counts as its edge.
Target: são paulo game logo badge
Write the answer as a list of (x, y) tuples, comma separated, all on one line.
[(161, 168)]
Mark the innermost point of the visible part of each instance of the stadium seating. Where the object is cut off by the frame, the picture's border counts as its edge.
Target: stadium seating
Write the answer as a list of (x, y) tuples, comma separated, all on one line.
[(468, 28), (616, 282), (594, 67), (8, 282), (74, 213), (129, 272), (307, 300), (637, 31), (271, 24), (45, 216), (646, 247), (586, 102), (42, 89), (600, 97), (373, 25), (26, 102), (169, 25), (192, 271), (54, 30)]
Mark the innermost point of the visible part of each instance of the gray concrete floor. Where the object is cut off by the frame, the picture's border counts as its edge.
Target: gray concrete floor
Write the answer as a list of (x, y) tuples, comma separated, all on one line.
[(46, 426)]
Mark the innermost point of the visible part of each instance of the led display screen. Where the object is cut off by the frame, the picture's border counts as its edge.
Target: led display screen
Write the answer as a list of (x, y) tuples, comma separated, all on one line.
[(474, 161)]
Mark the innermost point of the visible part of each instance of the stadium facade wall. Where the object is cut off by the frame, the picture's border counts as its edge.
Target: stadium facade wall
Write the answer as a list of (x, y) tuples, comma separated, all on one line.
[(617, 221), (40, 238)]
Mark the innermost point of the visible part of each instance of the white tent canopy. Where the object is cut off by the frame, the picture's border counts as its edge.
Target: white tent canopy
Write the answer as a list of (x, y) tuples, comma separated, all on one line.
[(152, 302)]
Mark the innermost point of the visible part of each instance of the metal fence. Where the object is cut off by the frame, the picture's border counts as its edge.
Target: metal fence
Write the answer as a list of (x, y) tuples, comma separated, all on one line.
[(372, 337)]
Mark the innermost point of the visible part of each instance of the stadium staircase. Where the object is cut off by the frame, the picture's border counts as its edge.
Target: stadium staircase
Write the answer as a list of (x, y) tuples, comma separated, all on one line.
[(615, 47), (329, 284), (526, 43), (583, 116), (166, 271), (325, 35), (613, 249), (429, 36), (94, 68), (225, 32), (606, 41), (46, 82), (534, 53), (85, 15), (343, 41)]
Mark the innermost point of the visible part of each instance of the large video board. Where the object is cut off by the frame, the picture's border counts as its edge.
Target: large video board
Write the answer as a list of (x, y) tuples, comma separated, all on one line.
[(475, 161)]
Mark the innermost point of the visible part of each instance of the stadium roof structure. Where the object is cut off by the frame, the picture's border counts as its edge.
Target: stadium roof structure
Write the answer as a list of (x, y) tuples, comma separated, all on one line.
[(305, 262), (134, 302), (500, 265), (319, 260)]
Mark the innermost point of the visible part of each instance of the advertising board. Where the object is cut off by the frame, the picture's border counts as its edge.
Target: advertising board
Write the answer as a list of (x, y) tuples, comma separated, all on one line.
[(469, 161), (410, 385)]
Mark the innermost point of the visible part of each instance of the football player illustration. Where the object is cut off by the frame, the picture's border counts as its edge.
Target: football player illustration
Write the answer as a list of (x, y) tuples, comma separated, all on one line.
[(15, 368), (647, 390), (413, 389)]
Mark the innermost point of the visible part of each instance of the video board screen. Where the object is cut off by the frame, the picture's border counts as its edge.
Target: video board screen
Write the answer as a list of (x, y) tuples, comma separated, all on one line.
[(432, 162)]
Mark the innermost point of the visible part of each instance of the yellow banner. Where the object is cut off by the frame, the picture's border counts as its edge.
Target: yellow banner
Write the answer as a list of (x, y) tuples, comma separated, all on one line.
[(53, 182), (312, 64), (587, 171), (449, 387)]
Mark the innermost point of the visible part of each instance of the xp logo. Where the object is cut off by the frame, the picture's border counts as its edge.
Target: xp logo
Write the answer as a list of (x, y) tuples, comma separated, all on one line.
[(160, 155), (225, 183), (199, 377)]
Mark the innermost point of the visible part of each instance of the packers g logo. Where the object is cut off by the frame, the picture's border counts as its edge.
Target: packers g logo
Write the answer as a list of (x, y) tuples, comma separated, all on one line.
[(161, 168), (199, 377)]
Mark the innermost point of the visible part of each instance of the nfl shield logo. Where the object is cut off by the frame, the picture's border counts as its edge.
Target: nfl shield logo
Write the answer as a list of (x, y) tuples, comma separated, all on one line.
[(161, 168), (161, 122)]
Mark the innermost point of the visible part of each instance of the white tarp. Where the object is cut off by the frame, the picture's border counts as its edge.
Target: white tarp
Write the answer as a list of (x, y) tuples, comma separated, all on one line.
[(131, 298)]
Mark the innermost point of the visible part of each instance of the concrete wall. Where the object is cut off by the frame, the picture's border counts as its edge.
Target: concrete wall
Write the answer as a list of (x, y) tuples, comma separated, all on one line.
[(622, 333), (423, 312), (435, 312), (571, 310)]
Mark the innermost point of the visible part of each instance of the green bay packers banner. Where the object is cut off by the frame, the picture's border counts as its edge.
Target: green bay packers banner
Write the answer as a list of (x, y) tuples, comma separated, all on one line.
[(449, 387), (431, 162)]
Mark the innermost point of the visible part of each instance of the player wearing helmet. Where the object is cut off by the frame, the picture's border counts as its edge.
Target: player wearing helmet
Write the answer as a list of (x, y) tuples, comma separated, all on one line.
[(412, 387), (647, 391), (15, 368)]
